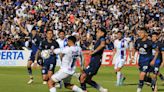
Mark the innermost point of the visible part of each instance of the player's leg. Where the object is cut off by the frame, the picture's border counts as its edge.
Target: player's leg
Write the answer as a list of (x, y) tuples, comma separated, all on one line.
[(55, 78), (70, 86), (120, 77), (83, 82), (161, 76), (29, 69), (154, 78), (143, 71), (45, 73), (94, 84)]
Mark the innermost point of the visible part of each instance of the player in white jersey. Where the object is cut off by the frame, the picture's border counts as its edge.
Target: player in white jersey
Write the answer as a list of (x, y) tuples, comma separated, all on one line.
[(69, 55), (62, 41), (120, 48)]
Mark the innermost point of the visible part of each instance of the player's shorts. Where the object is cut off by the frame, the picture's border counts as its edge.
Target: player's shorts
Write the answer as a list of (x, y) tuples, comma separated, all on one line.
[(93, 66), (49, 65), (144, 67), (119, 64), (60, 75), (154, 69)]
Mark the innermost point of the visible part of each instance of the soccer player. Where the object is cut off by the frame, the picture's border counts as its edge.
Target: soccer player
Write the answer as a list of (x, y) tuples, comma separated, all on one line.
[(158, 62), (95, 62), (33, 45), (144, 47), (120, 48), (69, 56), (62, 41), (50, 62)]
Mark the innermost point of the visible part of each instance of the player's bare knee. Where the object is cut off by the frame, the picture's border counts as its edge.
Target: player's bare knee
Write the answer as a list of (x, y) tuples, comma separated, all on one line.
[(83, 77)]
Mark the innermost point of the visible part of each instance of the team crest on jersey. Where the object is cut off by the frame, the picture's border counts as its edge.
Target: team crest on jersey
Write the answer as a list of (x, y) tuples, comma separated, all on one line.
[(145, 45), (138, 45), (46, 46), (52, 47)]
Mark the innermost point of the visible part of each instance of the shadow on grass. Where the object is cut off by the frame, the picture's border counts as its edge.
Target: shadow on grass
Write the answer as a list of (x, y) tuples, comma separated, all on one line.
[(130, 84), (162, 90)]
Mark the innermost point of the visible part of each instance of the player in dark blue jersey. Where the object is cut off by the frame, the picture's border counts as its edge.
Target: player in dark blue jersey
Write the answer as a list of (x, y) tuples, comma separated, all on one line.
[(158, 62), (49, 63), (144, 47), (95, 63), (34, 42)]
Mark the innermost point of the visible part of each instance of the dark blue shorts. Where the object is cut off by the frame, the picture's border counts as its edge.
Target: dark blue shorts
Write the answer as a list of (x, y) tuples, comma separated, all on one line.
[(154, 69), (144, 67), (49, 65), (93, 66)]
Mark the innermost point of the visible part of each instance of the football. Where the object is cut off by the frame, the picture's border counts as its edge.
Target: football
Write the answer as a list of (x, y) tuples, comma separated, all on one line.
[(45, 54)]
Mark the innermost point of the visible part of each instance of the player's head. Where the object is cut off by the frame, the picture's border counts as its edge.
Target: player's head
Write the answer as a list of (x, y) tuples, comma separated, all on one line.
[(34, 31), (61, 34), (101, 32), (119, 35), (154, 36), (71, 40), (49, 34), (143, 32)]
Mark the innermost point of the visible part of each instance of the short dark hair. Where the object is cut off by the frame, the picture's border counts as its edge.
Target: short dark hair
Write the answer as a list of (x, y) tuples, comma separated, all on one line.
[(155, 33), (49, 30), (60, 31), (120, 32), (72, 38), (143, 29), (103, 30)]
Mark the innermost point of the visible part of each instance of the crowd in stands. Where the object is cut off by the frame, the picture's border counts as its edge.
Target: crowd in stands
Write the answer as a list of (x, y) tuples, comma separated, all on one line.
[(80, 18)]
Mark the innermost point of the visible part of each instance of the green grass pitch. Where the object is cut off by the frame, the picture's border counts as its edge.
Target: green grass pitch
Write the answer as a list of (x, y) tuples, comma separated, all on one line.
[(14, 79)]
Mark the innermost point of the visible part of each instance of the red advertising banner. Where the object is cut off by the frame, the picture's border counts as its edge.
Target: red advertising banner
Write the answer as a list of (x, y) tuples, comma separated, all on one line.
[(108, 60)]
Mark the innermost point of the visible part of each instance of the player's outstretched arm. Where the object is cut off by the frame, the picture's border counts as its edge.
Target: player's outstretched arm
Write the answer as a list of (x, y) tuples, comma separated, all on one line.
[(102, 45), (21, 28)]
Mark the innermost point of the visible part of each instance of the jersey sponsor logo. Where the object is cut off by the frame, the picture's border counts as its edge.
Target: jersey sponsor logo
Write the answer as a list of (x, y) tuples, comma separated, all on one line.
[(142, 51)]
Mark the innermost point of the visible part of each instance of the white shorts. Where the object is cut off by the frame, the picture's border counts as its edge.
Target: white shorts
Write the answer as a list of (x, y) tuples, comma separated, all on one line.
[(119, 64), (60, 75)]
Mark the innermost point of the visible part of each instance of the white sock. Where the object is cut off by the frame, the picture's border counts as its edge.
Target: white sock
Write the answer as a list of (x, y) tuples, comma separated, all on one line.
[(53, 89), (76, 89), (118, 77)]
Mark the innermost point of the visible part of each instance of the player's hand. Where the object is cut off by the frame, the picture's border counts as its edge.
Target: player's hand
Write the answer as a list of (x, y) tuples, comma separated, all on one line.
[(152, 62), (91, 53)]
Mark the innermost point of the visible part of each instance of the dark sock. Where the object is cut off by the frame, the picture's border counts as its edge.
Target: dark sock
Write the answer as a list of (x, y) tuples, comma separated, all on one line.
[(153, 83), (161, 76), (94, 84), (141, 83), (83, 86), (29, 70)]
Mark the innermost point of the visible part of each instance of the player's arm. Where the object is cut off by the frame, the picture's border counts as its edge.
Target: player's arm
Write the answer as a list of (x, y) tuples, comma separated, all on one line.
[(21, 28), (82, 62), (162, 64), (102, 45), (155, 57)]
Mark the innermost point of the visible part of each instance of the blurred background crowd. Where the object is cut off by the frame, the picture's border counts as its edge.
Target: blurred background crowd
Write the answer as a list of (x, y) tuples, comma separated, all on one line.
[(80, 18)]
